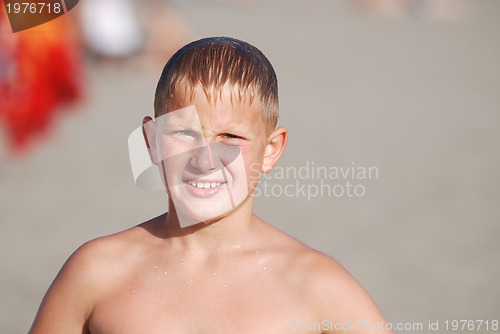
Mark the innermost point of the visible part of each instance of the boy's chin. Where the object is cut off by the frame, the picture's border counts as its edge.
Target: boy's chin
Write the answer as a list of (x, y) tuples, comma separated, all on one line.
[(189, 218)]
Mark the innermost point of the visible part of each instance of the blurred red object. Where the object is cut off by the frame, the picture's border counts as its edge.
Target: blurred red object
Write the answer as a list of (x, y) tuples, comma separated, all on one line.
[(40, 69)]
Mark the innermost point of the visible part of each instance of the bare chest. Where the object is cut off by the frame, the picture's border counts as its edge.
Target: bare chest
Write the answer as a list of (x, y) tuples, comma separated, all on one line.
[(218, 302)]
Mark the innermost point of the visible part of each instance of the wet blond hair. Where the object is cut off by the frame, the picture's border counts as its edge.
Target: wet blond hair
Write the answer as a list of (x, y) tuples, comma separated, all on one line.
[(214, 62)]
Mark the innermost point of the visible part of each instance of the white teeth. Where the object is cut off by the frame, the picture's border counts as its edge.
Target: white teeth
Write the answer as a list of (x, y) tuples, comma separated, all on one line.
[(204, 185)]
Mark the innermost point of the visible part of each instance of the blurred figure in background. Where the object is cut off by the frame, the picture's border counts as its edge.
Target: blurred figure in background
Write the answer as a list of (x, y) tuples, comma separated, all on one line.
[(132, 33), (40, 70), (166, 32), (440, 10), (111, 28)]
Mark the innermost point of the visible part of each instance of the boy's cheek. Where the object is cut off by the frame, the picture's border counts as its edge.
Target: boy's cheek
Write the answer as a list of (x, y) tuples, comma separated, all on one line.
[(253, 172)]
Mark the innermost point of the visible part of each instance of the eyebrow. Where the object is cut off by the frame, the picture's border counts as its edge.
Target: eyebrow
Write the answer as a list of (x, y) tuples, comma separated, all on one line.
[(178, 122)]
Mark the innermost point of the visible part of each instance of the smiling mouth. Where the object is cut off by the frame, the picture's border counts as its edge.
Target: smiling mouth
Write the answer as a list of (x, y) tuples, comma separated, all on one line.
[(204, 189), (204, 184)]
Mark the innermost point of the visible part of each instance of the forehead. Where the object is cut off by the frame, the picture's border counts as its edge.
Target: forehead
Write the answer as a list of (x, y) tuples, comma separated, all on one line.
[(185, 95), (228, 106), (186, 116)]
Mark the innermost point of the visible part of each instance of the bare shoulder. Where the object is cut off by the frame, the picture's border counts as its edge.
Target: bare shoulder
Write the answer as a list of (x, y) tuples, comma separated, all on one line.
[(84, 278), (312, 268), (306, 260), (105, 258), (324, 283)]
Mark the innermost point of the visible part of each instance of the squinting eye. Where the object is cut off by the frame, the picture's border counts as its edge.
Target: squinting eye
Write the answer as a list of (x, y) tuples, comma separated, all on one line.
[(231, 136)]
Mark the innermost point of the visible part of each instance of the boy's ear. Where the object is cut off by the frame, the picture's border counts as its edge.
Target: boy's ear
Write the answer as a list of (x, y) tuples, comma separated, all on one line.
[(274, 148), (149, 132)]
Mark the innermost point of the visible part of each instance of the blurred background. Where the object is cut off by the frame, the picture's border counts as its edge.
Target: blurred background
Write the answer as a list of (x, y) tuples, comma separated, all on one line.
[(409, 86)]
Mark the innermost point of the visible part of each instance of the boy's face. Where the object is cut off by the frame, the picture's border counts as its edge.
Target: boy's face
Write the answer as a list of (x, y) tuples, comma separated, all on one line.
[(210, 154)]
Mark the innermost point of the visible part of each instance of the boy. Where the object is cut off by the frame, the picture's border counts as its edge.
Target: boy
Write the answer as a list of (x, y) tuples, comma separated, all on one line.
[(209, 265)]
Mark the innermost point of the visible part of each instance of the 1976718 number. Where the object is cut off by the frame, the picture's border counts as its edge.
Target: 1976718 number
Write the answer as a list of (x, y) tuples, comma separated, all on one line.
[(34, 7)]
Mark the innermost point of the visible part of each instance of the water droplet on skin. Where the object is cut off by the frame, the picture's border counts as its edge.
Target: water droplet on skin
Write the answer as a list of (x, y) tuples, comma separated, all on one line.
[(155, 267), (214, 273), (225, 285), (158, 278), (178, 281), (227, 273), (190, 280), (265, 268), (164, 273), (222, 299), (182, 313)]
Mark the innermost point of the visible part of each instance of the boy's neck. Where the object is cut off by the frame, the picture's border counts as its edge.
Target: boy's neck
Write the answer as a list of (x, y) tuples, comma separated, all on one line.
[(227, 234)]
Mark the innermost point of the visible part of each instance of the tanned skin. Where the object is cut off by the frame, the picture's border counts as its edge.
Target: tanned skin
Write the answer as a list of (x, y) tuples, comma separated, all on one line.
[(235, 274)]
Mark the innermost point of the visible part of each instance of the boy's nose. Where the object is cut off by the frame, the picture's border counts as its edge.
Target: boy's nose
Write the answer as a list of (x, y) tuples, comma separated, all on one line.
[(203, 159)]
